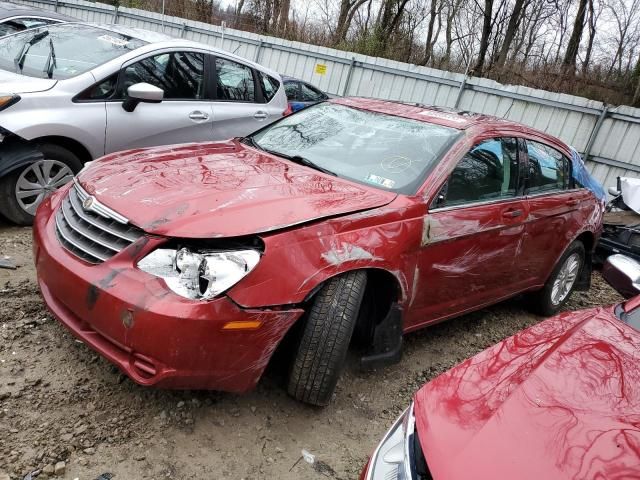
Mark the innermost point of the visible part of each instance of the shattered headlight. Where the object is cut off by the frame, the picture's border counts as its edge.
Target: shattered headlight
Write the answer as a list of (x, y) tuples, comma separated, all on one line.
[(391, 460), (199, 275)]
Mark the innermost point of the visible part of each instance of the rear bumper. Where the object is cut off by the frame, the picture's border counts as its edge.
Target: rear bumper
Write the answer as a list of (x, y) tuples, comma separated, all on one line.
[(154, 336)]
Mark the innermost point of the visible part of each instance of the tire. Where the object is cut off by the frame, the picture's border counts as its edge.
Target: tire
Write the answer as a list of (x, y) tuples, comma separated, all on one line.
[(548, 301), (56, 166), (325, 338)]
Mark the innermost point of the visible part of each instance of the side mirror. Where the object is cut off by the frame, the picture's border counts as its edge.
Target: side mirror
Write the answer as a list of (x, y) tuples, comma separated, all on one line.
[(614, 192), (623, 274), (141, 93)]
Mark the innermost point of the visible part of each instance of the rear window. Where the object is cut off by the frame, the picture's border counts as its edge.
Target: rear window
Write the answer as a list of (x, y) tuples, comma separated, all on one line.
[(62, 51), (269, 86)]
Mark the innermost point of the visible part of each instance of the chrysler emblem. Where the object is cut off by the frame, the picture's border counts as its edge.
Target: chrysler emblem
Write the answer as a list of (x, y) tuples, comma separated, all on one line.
[(87, 203)]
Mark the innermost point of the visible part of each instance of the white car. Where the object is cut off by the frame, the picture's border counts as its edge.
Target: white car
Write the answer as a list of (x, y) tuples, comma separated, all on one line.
[(72, 92)]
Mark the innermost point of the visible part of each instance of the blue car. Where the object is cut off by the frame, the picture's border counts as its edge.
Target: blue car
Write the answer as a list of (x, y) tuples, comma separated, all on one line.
[(300, 94)]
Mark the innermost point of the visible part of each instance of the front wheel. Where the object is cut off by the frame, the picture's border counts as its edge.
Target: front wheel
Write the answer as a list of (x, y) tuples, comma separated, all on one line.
[(325, 339), (555, 293), (22, 190)]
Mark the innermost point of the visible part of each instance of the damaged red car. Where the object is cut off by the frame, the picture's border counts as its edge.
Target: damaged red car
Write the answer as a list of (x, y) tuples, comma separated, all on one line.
[(558, 401), (350, 222)]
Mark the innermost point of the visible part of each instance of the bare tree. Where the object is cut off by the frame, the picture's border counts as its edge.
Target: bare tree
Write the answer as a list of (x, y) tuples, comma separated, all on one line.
[(348, 9), (519, 8), (487, 16), (435, 13), (571, 53)]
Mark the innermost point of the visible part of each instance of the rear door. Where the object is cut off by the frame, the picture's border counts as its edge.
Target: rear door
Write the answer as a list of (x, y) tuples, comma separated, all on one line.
[(242, 99), (185, 114), (472, 235), (556, 208)]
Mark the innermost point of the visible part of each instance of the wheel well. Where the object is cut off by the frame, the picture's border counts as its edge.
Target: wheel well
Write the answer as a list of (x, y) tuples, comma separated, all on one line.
[(382, 291), (70, 144), (588, 240)]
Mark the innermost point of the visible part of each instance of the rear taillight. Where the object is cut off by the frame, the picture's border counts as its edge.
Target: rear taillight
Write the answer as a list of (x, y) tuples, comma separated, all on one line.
[(287, 111)]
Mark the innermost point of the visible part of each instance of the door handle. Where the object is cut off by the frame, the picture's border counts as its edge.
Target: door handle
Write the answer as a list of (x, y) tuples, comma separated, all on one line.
[(512, 213), (198, 116), (260, 115)]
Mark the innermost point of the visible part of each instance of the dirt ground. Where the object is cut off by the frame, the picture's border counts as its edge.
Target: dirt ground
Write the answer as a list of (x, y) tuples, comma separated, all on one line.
[(60, 402)]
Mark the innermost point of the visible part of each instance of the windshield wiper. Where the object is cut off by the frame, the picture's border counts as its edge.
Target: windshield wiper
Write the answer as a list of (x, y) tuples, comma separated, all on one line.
[(304, 161), (21, 57), (51, 60), (294, 158)]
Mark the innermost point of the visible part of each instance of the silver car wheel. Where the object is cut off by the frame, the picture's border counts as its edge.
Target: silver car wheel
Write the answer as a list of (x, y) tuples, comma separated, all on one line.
[(566, 278), (39, 180)]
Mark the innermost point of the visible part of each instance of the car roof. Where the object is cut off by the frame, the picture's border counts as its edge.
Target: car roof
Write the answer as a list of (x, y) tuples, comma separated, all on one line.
[(448, 117), (9, 9), (158, 40), (139, 33)]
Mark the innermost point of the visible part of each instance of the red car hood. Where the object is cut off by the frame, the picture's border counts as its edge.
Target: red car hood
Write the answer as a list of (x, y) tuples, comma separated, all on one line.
[(220, 190), (560, 400)]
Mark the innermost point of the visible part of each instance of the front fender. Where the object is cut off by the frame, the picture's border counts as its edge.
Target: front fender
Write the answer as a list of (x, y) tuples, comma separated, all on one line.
[(296, 262), (15, 154)]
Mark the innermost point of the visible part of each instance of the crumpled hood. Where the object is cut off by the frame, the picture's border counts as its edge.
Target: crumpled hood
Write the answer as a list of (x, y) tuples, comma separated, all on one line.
[(560, 400), (13, 83), (220, 189)]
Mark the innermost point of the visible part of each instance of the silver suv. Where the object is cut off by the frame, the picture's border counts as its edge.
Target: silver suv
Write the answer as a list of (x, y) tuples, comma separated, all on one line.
[(73, 92)]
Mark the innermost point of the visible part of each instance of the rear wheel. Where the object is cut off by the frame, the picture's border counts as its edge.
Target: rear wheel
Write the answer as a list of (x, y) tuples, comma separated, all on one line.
[(22, 190), (325, 339), (555, 293)]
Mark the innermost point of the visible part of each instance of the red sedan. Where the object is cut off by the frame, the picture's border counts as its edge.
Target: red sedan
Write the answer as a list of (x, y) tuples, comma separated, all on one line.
[(353, 219), (560, 400)]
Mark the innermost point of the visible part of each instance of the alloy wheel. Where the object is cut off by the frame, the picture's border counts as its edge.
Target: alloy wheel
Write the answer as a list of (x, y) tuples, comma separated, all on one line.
[(566, 278), (39, 180)]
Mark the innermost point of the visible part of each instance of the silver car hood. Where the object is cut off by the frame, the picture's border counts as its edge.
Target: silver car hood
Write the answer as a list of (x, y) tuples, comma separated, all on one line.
[(14, 83)]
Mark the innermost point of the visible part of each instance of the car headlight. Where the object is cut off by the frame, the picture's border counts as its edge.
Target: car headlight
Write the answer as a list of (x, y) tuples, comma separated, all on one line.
[(391, 460), (7, 100), (199, 275)]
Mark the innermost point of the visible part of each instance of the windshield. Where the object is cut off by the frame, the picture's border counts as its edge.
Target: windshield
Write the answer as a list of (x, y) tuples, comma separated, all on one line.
[(384, 151), (62, 51)]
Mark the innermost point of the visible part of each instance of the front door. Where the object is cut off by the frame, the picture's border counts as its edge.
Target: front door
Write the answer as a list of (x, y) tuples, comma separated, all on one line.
[(185, 114), (472, 236)]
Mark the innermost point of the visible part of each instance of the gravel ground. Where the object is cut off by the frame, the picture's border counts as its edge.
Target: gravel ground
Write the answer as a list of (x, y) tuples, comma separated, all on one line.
[(64, 409)]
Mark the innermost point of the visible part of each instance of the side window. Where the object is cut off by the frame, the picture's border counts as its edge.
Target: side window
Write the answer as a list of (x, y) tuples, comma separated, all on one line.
[(104, 90), (488, 171), (179, 74), (548, 168), (292, 89), (234, 81), (269, 86), (310, 94)]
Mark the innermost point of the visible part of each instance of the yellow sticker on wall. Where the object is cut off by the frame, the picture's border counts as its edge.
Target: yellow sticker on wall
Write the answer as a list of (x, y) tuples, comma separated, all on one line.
[(321, 69)]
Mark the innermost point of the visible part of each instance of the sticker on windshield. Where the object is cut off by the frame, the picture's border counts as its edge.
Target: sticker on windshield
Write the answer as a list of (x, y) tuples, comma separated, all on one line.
[(384, 182), (120, 42)]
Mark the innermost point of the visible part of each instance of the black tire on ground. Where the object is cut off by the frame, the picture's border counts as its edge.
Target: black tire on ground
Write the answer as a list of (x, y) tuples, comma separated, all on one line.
[(10, 207), (541, 301), (325, 338)]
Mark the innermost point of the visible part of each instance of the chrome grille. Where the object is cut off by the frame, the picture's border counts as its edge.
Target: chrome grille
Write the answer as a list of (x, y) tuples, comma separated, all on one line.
[(94, 234)]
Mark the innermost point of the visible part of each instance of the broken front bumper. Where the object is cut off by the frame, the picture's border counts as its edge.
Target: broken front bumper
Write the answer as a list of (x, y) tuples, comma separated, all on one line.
[(154, 336)]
